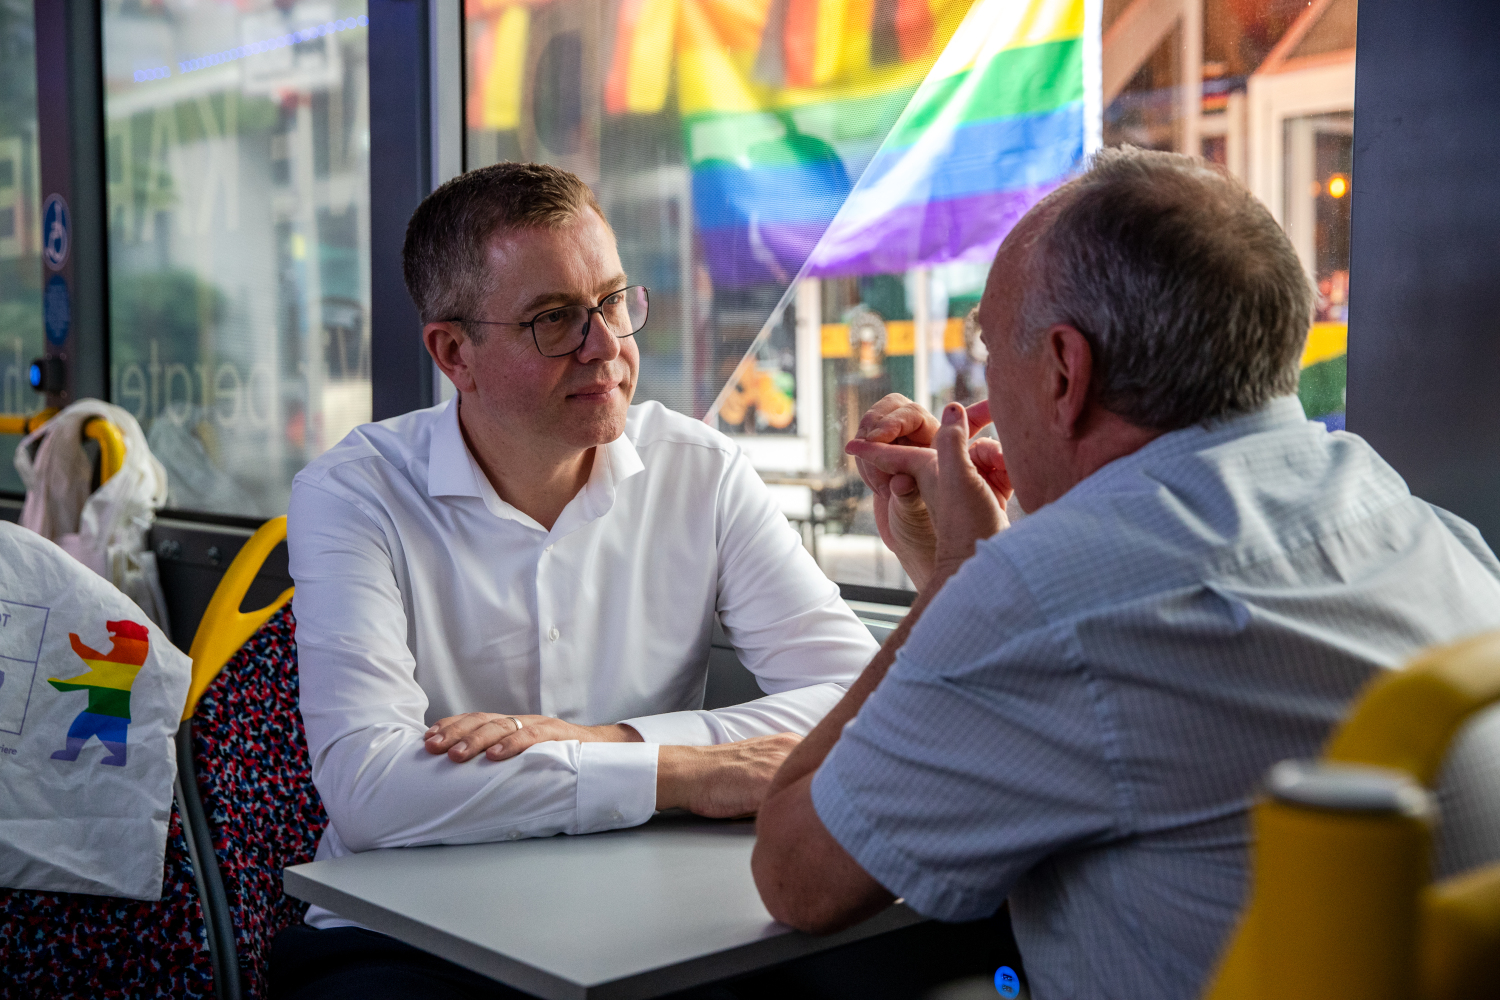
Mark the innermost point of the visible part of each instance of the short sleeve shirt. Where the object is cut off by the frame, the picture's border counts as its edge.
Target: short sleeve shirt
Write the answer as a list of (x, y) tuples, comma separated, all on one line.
[(1080, 719)]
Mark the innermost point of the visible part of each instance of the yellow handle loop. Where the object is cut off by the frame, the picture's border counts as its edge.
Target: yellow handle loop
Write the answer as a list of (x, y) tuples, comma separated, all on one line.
[(111, 446), (225, 628)]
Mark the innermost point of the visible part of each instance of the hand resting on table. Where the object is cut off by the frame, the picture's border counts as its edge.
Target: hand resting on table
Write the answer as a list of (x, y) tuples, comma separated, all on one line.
[(721, 781)]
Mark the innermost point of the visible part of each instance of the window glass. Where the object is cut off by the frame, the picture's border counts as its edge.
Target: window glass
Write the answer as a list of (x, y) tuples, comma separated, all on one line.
[(238, 197), (814, 190), (20, 226)]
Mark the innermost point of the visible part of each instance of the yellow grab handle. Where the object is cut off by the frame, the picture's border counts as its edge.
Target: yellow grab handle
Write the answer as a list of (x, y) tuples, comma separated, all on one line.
[(15, 423), (1406, 719), (1461, 936), (224, 628), (111, 446)]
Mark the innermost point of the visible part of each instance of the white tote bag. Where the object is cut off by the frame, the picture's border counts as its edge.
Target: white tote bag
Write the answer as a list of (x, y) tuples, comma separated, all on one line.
[(91, 692), (105, 530)]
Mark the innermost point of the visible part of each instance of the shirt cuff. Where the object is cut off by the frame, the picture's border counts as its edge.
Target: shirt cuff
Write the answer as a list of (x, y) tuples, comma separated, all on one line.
[(616, 785), (676, 729)]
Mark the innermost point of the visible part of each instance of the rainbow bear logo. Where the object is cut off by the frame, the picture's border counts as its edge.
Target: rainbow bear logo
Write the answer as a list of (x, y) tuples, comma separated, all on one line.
[(108, 681)]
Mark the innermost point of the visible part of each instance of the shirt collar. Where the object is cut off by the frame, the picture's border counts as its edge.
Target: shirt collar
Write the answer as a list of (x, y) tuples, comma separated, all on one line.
[(1281, 413), (450, 469), (453, 471)]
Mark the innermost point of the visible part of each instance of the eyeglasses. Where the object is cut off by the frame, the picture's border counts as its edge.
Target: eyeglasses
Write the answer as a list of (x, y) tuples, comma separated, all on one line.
[(562, 330)]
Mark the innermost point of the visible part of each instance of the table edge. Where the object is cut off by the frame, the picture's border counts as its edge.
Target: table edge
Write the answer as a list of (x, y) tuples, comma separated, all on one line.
[(698, 971)]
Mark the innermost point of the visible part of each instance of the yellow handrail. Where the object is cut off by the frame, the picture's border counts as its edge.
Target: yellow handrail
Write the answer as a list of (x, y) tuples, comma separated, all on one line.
[(225, 628), (19, 423), (111, 446), (111, 441)]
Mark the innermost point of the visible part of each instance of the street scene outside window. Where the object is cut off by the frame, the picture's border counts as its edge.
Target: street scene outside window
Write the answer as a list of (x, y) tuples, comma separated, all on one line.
[(236, 150), (813, 191)]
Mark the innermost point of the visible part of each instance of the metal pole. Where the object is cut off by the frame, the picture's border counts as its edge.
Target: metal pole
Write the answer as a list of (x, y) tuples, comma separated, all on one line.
[(70, 139), (1192, 77), (810, 369), (921, 353)]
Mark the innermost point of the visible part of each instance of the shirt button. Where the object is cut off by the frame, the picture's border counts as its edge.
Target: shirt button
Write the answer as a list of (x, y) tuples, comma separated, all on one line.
[(513, 835), (554, 634), (617, 816)]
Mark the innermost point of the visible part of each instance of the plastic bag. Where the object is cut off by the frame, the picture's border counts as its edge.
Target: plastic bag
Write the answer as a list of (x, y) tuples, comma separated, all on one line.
[(105, 530), (91, 694)]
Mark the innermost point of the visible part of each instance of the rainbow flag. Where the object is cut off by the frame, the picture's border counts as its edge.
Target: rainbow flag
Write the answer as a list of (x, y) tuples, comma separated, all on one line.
[(999, 122), (783, 105), (498, 33)]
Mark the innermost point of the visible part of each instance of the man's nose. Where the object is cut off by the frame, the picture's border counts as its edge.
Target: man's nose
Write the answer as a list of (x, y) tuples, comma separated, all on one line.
[(599, 341)]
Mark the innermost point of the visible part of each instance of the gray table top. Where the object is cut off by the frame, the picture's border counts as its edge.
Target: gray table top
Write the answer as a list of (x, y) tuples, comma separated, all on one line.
[(611, 916)]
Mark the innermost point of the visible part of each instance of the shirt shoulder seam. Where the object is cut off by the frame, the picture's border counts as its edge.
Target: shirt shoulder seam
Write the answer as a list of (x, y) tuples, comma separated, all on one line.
[(348, 501)]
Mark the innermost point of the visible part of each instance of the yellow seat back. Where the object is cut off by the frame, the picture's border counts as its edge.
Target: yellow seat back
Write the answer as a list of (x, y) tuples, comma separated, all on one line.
[(225, 628), (1341, 902)]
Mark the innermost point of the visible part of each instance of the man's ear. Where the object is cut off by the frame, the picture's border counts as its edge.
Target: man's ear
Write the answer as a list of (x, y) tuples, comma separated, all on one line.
[(1070, 361), (444, 341)]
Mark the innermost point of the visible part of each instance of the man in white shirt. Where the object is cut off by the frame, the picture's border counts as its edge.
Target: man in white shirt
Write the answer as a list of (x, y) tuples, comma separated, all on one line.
[(504, 604)]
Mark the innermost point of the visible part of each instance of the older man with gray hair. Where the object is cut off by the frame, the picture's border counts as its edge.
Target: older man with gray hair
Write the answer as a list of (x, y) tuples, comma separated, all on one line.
[(1077, 711)]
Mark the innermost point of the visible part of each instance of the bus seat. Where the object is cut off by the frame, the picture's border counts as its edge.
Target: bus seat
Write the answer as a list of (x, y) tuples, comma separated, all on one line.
[(244, 752), (244, 790), (60, 944), (1342, 901), (75, 944)]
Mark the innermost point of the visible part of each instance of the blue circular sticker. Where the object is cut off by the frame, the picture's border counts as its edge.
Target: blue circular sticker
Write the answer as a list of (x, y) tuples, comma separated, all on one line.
[(57, 309), (57, 228), (1007, 983)]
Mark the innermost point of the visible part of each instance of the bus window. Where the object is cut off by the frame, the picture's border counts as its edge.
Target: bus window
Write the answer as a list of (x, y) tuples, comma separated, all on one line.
[(820, 220), (236, 149), (20, 227)]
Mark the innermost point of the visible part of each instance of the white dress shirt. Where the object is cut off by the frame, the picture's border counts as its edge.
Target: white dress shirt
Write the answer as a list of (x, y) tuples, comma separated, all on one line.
[(421, 594)]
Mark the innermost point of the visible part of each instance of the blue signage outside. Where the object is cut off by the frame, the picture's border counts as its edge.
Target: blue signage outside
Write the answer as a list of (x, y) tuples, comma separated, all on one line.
[(57, 309), (57, 231)]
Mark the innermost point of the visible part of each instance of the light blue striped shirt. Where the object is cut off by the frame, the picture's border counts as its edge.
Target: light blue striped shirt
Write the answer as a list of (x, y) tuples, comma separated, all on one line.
[(1080, 719)]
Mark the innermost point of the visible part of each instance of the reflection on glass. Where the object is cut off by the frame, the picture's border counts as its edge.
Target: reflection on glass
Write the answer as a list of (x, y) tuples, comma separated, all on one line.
[(813, 192), (21, 337), (238, 200), (721, 139)]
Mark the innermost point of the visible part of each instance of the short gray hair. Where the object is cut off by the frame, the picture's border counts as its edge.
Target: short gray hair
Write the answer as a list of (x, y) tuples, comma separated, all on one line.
[(445, 258), (1191, 297)]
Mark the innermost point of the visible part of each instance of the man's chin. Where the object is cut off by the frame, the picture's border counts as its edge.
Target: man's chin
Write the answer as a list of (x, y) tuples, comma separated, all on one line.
[(599, 428)]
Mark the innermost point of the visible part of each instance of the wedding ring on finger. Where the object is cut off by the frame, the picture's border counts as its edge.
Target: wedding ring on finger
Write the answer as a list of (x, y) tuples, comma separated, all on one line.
[(517, 721)]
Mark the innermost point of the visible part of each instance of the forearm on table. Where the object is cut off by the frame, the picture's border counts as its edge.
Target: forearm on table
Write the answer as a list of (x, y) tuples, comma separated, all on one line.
[(383, 789), (811, 751), (796, 711)]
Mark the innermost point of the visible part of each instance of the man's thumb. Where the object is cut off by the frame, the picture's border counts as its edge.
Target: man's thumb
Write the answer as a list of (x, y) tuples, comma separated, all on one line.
[(952, 445)]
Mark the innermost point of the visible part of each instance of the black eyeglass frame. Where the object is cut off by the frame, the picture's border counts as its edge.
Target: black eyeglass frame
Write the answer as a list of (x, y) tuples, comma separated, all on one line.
[(588, 322)]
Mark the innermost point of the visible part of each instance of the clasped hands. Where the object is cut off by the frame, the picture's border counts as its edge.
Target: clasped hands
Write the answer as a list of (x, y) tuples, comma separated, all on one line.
[(938, 489), (721, 781)]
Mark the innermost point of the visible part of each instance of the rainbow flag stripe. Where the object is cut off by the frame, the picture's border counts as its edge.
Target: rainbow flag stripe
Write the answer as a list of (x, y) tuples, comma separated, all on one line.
[(783, 104), (997, 124)]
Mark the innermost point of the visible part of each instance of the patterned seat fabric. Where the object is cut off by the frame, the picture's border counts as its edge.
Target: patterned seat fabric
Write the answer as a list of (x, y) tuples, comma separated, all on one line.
[(256, 784), (73, 946)]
